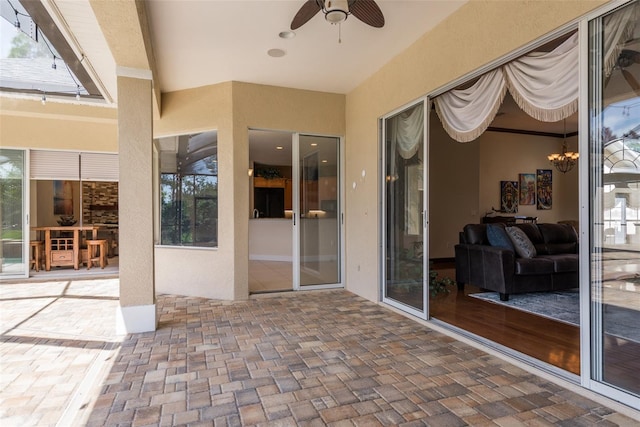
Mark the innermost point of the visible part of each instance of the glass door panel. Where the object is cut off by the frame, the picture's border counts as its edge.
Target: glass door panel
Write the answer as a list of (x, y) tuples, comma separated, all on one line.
[(319, 213), (614, 157), (13, 235), (271, 254), (403, 194)]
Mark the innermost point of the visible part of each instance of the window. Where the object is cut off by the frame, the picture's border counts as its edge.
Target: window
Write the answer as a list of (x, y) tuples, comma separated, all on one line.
[(189, 190)]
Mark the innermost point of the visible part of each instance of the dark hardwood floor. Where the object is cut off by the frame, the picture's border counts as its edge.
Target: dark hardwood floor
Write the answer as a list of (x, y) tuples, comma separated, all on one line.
[(556, 343), (550, 341)]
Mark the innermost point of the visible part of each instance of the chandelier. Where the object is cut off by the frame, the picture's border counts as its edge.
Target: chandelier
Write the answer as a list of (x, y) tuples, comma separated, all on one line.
[(566, 160)]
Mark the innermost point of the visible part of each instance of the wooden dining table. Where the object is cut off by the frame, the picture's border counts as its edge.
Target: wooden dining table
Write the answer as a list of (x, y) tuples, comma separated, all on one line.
[(64, 250)]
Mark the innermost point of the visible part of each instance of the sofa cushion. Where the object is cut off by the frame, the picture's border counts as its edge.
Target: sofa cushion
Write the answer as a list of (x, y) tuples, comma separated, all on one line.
[(530, 266), (559, 238), (521, 242), (560, 248), (475, 234), (563, 263), (532, 231), (498, 237)]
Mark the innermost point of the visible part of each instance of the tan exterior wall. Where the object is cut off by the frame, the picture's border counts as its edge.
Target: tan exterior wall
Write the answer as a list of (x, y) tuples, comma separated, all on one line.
[(200, 272), (135, 193), (61, 126), (477, 34), (232, 108)]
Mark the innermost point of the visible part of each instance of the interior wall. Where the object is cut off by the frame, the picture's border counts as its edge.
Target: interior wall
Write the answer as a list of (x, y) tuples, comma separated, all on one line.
[(454, 193), (43, 207), (504, 155), (476, 34), (466, 179)]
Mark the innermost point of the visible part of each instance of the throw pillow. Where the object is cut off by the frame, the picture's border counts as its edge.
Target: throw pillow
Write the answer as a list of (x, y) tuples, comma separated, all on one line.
[(521, 242), (498, 237)]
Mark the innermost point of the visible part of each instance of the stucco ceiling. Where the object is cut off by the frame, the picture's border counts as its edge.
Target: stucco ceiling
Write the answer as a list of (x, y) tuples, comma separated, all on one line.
[(204, 42), (197, 43)]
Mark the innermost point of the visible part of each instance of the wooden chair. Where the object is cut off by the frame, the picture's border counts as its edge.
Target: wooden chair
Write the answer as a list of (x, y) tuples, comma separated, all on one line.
[(36, 251), (96, 252)]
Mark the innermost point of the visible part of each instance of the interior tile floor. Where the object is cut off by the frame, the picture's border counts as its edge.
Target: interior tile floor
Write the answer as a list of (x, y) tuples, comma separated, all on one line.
[(62, 273), (304, 358), (277, 276), (270, 276)]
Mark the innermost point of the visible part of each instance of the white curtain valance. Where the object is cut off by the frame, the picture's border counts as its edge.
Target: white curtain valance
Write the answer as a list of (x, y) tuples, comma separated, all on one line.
[(407, 131), (543, 84), (466, 113)]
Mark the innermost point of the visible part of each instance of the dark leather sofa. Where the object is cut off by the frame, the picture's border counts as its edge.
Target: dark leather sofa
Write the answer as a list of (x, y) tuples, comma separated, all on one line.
[(554, 267)]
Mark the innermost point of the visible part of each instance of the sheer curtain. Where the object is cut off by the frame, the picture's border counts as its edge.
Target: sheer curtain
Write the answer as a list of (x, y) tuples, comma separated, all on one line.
[(407, 131)]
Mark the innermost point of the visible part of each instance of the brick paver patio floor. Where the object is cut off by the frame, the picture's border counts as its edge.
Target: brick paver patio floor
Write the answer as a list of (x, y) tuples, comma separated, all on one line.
[(309, 358)]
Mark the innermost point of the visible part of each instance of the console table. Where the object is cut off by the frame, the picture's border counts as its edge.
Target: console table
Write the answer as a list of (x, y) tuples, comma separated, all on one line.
[(64, 250), (508, 220)]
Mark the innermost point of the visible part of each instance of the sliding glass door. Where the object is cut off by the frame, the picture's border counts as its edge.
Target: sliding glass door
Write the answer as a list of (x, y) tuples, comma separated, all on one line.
[(318, 228), (14, 259), (404, 258), (295, 225), (614, 162)]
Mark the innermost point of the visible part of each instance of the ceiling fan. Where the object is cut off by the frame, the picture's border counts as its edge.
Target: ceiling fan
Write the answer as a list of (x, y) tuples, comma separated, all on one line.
[(626, 59), (336, 11)]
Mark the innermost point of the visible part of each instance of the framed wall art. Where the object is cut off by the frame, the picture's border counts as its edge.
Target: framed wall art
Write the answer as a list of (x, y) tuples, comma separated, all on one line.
[(509, 196), (527, 184), (544, 189), (62, 198)]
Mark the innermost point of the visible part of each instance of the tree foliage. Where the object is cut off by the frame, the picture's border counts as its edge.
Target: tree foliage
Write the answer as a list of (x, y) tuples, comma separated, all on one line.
[(23, 46)]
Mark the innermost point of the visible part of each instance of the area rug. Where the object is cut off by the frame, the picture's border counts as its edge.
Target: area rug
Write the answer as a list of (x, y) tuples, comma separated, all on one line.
[(564, 307)]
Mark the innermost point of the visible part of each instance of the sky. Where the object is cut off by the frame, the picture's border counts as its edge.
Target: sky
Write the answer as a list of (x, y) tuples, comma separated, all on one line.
[(622, 116)]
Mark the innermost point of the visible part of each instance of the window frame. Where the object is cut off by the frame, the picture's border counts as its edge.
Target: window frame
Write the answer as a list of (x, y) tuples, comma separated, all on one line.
[(184, 207)]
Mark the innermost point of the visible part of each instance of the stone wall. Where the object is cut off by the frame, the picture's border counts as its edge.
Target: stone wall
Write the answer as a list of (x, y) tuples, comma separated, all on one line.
[(100, 202)]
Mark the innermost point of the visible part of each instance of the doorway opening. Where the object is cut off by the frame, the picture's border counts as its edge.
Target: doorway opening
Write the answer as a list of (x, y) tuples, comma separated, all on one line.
[(295, 220)]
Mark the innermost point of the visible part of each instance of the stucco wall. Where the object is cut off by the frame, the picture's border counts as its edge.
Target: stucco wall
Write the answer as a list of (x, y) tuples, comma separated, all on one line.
[(477, 34), (63, 126), (232, 108)]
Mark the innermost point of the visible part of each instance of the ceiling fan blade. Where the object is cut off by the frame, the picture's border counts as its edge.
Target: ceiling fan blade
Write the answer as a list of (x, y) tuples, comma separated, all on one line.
[(630, 56), (306, 12), (632, 82), (368, 12)]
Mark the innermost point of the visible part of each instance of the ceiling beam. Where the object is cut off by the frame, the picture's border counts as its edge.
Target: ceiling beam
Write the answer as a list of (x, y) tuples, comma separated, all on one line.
[(531, 132), (42, 19), (125, 26)]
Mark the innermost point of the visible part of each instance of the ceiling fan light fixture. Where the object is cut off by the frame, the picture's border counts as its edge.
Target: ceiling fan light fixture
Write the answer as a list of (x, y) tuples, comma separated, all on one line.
[(336, 11), (286, 34)]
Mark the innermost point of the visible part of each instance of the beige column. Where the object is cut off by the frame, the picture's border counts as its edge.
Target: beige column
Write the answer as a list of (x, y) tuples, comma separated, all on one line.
[(137, 310)]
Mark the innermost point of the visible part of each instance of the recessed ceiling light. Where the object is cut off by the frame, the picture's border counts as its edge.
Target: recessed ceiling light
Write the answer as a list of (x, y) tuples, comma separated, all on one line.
[(314, 144), (325, 161), (287, 34), (279, 147), (276, 53)]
